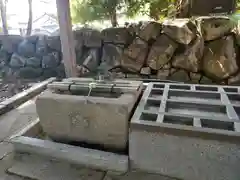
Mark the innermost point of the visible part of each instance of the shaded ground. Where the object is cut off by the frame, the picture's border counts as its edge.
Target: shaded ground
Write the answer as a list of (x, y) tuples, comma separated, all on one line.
[(14, 121), (10, 88)]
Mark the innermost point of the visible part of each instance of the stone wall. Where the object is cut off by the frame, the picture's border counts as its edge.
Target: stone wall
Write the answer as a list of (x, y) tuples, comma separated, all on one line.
[(203, 50)]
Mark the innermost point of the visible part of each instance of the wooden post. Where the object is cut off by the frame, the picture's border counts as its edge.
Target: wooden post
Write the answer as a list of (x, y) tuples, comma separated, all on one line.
[(66, 36)]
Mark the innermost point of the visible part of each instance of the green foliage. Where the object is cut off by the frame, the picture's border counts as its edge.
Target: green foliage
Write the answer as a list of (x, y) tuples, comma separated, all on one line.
[(155, 9), (89, 10)]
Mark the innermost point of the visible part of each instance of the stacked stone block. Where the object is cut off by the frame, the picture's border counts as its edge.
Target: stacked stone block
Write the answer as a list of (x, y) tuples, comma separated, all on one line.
[(201, 50)]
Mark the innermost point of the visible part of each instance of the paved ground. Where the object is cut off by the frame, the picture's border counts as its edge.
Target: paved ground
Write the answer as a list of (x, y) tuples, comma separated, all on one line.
[(17, 119), (10, 124)]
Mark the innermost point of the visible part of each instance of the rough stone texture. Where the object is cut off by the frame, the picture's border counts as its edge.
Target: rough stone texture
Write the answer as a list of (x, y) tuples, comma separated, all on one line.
[(54, 42), (130, 64), (10, 42), (178, 75), (181, 30), (163, 74), (161, 52), (184, 157), (112, 55), (34, 62), (51, 60), (234, 80), (41, 46), (116, 35), (205, 80), (177, 42), (195, 78), (30, 72), (92, 61), (26, 48), (4, 57), (137, 51), (88, 37), (98, 120), (145, 71), (17, 61), (214, 27), (49, 72), (190, 58), (149, 30), (219, 60)]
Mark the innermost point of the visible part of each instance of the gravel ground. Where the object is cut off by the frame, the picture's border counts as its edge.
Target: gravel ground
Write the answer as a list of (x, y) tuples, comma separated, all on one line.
[(10, 88)]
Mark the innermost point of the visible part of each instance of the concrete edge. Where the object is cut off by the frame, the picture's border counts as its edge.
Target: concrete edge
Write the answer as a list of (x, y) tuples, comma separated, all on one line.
[(181, 130), (94, 159), (31, 130), (24, 96), (30, 166)]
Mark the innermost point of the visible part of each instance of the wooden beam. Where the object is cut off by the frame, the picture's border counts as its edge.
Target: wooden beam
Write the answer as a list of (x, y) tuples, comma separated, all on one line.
[(66, 36)]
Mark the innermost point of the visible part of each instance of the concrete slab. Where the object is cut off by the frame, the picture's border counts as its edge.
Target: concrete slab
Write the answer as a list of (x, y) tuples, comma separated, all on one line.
[(187, 131), (137, 176), (12, 177), (6, 162), (87, 157), (41, 168), (17, 119), (5, 149)]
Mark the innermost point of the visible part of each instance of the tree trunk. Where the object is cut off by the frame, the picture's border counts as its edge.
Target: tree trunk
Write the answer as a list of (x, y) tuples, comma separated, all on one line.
[(153, 12), (114, 18), (3, 17), (29, 27), (183, 8)]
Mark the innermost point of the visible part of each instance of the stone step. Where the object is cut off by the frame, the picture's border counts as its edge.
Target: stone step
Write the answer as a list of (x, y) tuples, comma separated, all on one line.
[(45, 168), (83, 156)]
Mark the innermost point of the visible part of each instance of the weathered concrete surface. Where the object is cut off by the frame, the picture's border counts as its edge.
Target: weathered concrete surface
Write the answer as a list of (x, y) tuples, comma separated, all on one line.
[(5, 163), (5, 149), (96, 120), (184, 157), (45, 168), (187, 131), (10, 124), (91, 158), (136, 176), (15, 120)]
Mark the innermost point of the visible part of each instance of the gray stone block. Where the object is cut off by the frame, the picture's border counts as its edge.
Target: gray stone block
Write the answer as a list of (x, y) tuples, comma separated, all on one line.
[(10, 42), (95, 120), (187, 132), (73, 154), (44, 168)]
